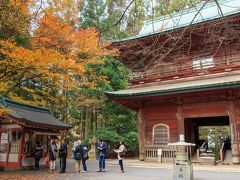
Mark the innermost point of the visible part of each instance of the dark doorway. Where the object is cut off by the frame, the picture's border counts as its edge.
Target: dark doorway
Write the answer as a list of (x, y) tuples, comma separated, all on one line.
[(211, 132)]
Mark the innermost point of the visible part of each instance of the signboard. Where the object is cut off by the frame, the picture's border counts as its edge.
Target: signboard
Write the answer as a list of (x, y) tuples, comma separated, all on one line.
[(159, 152), (182, 172), (4, 138), (4, 142)]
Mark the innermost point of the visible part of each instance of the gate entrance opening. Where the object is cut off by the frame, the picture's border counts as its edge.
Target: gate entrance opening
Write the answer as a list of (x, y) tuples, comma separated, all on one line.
[(212, 137)]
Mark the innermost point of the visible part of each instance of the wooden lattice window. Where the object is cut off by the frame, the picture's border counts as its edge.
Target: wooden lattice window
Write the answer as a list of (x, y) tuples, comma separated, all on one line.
[(160, 134)]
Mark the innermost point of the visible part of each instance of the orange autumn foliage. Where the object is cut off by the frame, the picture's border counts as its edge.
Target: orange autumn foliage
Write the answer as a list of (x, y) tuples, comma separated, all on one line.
[(4, 112), (20, 64), (58, 30), (80, 44), (55, 60)]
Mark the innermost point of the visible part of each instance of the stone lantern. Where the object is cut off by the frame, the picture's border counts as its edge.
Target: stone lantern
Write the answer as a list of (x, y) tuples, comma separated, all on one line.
[(182, 166)]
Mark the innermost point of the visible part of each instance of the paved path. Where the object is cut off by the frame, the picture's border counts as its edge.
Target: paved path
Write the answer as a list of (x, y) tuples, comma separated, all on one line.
[(196, 167), (132, 173)]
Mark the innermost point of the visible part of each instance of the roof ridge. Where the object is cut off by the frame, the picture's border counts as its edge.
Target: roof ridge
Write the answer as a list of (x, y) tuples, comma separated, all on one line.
[(6, 101), (186, 11), (202, 13)]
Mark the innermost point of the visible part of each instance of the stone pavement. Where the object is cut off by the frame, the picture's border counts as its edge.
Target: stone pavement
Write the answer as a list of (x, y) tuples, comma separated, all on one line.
[(134, 170), (196, 167)]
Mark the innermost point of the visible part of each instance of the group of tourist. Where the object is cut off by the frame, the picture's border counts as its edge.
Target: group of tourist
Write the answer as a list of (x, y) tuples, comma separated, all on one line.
[(80, 154)]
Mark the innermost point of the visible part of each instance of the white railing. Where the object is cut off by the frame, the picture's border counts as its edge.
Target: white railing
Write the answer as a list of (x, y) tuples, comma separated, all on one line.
[(151, 154)]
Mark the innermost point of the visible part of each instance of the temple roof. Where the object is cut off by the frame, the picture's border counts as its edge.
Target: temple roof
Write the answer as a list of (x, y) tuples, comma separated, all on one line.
[(177, 87), (198, 14), (32, 115)]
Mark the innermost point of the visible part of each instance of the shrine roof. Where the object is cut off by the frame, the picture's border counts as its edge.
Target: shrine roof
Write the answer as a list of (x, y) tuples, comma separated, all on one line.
[(31, 114), (198, 14), (178, 87)]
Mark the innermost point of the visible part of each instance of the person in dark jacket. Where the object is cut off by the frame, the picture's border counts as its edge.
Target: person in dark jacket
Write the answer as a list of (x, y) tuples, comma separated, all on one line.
[(38, 154), (63, 156), (53, 155), (102, 151), (85, 158), (78, 153)]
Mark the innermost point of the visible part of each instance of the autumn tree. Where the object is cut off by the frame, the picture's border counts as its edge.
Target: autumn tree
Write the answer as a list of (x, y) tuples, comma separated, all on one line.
[(15, 21), (58, 31), (53, 64)]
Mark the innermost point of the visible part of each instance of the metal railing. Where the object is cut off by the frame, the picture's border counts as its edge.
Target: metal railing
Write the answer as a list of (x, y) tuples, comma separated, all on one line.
[(177, 70)]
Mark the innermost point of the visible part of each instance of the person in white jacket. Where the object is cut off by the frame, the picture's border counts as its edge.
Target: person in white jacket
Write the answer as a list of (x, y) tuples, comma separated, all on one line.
[(121, 154)]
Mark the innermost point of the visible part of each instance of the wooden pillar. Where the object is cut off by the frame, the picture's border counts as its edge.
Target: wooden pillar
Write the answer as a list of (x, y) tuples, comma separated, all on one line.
[(180, 119), (20, 151), (234, 136), (141, 134)]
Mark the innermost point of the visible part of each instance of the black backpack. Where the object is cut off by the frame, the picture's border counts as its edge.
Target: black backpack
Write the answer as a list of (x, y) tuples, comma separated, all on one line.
[(78, 152), (39, 154), (85, 154)]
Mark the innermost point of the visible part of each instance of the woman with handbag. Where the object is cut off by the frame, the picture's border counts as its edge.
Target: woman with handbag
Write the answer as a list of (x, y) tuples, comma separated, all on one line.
[(121, 155), (53, 155)]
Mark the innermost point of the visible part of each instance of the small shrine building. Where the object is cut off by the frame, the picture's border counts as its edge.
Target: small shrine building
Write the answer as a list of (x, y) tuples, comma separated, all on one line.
[(24, 125)]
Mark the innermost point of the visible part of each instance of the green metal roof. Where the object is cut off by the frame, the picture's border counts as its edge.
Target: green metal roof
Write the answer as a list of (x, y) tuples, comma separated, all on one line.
[(191, 16), (31, 114), (178, 87)]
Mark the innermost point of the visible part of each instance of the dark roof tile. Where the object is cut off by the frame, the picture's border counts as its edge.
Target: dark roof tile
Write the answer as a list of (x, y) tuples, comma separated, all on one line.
[(31, 114)]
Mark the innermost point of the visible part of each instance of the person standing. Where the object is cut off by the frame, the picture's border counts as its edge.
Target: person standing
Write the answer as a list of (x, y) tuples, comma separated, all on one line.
[(63, 156), (121, 155), (102, 149), (85, 157), (53, 155), (38, 154), (78, 153)]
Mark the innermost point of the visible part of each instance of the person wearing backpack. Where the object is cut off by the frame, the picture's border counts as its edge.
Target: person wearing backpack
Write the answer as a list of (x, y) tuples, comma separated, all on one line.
[(85, 157), (78, 154), (121, 154), (38, 154)]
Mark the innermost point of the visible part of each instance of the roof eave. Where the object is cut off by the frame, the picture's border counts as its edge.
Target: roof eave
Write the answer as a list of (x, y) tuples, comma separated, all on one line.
[(50, 126), (200, 88)]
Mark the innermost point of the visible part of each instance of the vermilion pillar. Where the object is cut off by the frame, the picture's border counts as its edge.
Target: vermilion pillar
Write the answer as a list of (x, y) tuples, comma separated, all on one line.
[(141, 133), (180, 119), (20, 150), (234, 133)]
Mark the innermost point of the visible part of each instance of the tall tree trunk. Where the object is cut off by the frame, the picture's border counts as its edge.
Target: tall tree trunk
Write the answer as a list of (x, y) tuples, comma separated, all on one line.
[(91, 121), (83, 122), (86, 121), (95, 120)]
